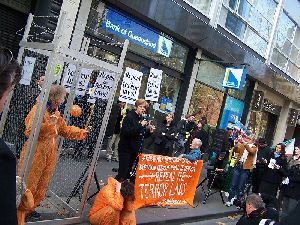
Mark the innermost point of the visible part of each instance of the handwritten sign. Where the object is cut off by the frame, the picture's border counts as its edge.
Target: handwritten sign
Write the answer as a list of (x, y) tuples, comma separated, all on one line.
[(163, 180), (83, 81), (130, 86), (103, 85), (153, 85), (27, 70), (69, 77)]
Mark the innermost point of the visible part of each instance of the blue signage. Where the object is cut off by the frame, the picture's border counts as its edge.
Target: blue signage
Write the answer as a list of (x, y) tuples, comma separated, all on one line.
[(233, 111), (138, 33), (234, 78)]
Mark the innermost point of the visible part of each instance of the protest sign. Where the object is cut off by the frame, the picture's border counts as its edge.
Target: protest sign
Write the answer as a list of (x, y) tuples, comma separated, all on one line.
[(162, 180), (69, 76), (153, 85), (27, 70), (103, 85), (130, 86), (83, 81)]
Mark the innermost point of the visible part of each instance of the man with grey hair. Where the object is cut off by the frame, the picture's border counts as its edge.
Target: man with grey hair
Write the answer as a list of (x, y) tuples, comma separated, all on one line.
[(255, 212), (195, 153)]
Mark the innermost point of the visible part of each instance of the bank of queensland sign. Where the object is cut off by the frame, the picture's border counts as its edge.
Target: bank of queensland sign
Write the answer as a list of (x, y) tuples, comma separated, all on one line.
[(123, 26), (234, 78)]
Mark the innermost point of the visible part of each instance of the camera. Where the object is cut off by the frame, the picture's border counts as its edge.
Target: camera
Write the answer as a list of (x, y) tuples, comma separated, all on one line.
[(146, 117)]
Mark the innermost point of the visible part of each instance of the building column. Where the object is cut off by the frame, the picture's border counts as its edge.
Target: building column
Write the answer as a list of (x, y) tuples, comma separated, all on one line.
[(71, 7), (282, 123), (80, 25), (192, 82)]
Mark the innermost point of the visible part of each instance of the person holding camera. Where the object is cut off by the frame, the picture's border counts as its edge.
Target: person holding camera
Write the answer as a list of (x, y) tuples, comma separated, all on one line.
[(256, 213), (134, 129)]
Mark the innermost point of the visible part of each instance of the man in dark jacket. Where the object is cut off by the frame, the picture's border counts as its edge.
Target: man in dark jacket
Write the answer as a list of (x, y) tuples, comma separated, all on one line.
[(264, 153), (132, 135), (10, 73), (255, 212)]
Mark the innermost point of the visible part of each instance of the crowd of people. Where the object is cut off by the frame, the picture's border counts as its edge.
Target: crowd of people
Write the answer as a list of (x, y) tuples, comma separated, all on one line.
[(237, 160)]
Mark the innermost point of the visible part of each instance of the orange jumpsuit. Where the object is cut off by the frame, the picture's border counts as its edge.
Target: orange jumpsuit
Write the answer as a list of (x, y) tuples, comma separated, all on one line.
[(107, 205), (44, 158), (128, 214)]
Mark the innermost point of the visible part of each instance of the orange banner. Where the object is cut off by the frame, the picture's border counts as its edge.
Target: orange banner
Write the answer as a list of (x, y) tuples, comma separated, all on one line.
[(162, 180)]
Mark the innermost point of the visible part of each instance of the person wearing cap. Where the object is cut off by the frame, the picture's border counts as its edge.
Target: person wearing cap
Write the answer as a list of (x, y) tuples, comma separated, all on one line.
[(264, 153)]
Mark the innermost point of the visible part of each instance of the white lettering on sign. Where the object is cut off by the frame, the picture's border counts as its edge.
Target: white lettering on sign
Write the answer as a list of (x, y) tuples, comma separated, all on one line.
[(130, 86), (103, 85), (27, 70), (153, 85)]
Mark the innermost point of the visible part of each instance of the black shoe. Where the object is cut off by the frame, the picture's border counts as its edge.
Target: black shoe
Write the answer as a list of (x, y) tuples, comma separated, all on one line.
[(115, 170), (34, 215)]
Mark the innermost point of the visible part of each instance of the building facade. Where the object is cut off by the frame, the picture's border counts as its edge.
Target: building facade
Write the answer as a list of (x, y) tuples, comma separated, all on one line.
[(195, 40)]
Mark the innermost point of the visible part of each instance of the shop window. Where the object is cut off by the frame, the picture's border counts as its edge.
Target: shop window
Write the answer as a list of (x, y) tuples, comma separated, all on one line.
[(207, 102), (169, 89), (232, 111), (176, 60), (201, 5), (258, 123)]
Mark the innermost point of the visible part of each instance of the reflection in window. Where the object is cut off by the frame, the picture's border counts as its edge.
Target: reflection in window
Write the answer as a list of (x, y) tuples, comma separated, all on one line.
[(255, 42), (286, 49), (206, 102), (251, 21), (258, 123), (201, 5)]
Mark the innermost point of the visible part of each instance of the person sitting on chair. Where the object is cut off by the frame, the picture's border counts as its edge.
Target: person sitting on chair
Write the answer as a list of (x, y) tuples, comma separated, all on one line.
[(195, 153), (216, 170)]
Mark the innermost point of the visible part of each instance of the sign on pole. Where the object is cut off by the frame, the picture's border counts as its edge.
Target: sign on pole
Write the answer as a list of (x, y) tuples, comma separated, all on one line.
[(162, 180), (234, 78), (153, 85), (130, 86)]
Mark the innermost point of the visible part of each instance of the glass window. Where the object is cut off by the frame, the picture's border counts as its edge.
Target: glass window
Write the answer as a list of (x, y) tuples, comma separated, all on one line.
[(294, 53), (251, 21), (244, 9), (212, 74), (292, 70), (234, 24), (206, 102), (176, 59), (279, 60), (201, 5), (297, 37), (255, 42)]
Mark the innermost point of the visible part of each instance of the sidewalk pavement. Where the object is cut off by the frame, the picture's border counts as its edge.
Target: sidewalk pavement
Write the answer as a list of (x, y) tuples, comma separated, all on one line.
[(170, 215)]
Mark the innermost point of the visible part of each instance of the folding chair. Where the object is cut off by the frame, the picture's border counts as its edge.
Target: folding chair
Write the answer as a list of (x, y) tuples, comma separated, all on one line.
[(210, 184)]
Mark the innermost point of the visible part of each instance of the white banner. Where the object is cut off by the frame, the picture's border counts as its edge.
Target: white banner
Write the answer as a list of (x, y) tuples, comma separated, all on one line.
[(153, 85), (83, 81), (27, 70), (103, 85), (130, 86), (69, 77)]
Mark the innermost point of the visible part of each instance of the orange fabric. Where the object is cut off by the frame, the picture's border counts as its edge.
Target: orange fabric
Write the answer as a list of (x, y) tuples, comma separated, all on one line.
[(107, 206), (239, 149), (128, 214), (162, 180), (26, 204), (44, 158)]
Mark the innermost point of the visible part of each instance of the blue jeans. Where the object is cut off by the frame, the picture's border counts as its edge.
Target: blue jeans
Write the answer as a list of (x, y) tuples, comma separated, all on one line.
[(238, 182)]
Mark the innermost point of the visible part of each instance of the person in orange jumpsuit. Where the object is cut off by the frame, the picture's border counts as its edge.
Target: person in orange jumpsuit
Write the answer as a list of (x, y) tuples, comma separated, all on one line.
[(114, 204), (44, 158)]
